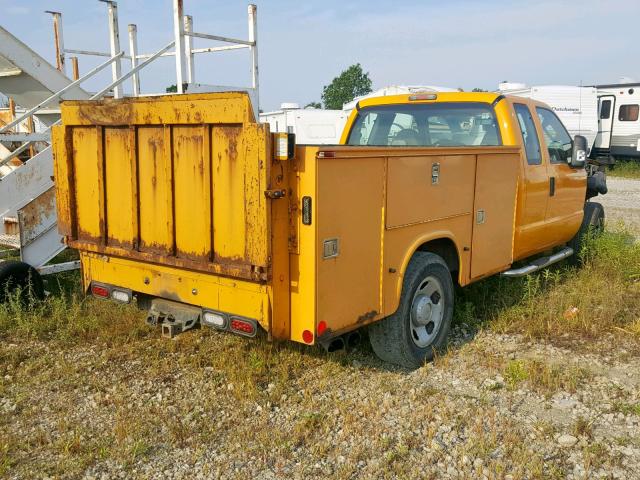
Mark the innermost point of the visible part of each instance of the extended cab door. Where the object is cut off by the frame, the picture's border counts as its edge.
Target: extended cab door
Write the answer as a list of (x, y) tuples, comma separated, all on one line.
[(531, 234), (566, 184)]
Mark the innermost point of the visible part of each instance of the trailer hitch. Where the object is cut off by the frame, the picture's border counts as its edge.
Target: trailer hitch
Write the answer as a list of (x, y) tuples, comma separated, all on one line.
[(172, 317)]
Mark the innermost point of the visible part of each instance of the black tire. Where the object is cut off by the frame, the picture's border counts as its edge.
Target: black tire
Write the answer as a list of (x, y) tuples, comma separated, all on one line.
[(394, 338), (14, 275), (592, 223)]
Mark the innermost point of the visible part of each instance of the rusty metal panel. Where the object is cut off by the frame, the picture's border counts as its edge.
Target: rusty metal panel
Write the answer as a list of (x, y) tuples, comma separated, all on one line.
[(192, 188), (224, 108), (155, 189), (63, 174), (177, 181), (119, 192), (239, 180), (87, 165)]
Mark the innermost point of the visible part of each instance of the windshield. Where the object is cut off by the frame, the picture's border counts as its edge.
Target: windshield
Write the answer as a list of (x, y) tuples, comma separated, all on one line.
[(426, 125)]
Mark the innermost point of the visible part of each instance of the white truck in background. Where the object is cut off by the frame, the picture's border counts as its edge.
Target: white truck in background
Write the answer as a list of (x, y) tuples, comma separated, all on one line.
[(577, 107)]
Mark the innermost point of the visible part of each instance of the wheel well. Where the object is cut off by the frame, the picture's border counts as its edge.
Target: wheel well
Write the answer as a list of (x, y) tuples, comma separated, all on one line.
[(446, 249)]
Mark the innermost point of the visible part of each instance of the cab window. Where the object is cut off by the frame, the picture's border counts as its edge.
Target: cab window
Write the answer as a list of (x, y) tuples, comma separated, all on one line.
[(558, 140), (529, 135), (426, 125)]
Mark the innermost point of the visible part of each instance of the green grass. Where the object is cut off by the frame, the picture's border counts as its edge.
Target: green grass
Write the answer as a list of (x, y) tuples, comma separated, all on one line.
[(69, 348), (625, 169), (564, 303)]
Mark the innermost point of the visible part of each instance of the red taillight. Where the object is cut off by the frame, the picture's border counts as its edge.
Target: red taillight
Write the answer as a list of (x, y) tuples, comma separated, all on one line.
[(99, 291), (307, 336), (244, 327), (322, 327)]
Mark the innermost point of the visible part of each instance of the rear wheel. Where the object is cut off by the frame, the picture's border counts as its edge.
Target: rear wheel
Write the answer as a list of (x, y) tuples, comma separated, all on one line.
[(421, 324), (592, 224), (21, 276)]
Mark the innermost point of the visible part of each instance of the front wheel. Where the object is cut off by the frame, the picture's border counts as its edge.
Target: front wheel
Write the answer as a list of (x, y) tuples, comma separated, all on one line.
[(420, 326), (592, 224)]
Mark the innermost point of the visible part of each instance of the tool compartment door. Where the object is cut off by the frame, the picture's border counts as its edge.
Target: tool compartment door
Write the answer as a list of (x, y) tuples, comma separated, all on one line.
[(494, 213), (174, 180)]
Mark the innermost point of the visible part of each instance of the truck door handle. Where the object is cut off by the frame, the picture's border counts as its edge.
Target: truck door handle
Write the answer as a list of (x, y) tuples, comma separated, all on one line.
[(552, 186)]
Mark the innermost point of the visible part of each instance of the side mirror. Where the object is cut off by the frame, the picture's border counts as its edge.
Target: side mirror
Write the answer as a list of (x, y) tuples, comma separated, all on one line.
[(579, 153)]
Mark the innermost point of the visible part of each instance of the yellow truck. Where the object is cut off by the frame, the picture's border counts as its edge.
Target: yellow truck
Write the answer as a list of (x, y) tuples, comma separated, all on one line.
[(187, 205)]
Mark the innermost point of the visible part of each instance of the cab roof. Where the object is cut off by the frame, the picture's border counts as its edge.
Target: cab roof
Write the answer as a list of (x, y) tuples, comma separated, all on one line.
[(428, 97)]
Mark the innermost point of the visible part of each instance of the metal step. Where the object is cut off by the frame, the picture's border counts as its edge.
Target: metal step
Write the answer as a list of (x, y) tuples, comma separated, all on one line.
[(539, 264)]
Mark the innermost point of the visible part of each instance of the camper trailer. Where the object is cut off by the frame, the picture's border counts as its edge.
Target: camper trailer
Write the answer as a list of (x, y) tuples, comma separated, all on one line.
[(619, 121), (577, 107), (311, 126)]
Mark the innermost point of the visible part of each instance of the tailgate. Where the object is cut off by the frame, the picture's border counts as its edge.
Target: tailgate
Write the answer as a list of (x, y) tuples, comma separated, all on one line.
[(172, 180)]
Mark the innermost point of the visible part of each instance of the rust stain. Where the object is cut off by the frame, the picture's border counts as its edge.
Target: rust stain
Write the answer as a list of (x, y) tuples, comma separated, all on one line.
[(110, 112), (39, 209), (367, 316)]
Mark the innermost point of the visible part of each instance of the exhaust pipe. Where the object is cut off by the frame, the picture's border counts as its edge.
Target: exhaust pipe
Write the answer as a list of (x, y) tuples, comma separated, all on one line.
[(353, 339), (335, 345)]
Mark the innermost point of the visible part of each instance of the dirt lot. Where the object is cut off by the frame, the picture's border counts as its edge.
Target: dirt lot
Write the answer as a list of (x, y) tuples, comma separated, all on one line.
[(529, 389)]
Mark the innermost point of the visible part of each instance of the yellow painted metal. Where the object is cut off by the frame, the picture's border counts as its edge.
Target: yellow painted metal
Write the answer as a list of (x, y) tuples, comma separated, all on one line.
[(302, 266), (350, 200), (495, 198), (155, 182), (175, 180), (234, 296)]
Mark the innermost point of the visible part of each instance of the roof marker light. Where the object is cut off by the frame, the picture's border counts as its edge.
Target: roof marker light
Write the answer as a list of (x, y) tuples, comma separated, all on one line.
[(423, 96)]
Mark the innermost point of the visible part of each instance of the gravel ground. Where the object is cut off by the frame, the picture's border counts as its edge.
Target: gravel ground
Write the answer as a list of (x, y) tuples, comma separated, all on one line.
[(210, 405), (473, 414), (622, 202)]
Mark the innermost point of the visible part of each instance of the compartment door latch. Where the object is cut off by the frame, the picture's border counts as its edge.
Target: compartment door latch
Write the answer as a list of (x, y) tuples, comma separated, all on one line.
[(275, 194)]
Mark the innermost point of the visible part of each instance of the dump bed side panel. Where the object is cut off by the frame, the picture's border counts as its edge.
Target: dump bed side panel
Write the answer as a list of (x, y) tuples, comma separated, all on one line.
[(173, 180)]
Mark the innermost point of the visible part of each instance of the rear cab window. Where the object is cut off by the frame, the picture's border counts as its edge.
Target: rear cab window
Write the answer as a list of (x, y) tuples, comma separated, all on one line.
[(444, 124), (529, 134)]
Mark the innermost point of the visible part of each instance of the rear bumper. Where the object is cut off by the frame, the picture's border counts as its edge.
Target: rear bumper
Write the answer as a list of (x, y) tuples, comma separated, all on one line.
[(232, 296)]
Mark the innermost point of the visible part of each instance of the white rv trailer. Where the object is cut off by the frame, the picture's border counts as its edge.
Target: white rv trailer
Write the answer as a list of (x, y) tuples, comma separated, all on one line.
[(311, 126), (619, 121), (577, 107)]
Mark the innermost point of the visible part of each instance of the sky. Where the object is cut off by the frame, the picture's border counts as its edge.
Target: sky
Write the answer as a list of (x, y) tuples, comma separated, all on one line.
[(303, 45)]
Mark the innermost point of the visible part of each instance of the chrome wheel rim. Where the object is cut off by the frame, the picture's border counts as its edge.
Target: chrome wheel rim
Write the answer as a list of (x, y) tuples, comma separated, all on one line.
[(427, 312)]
